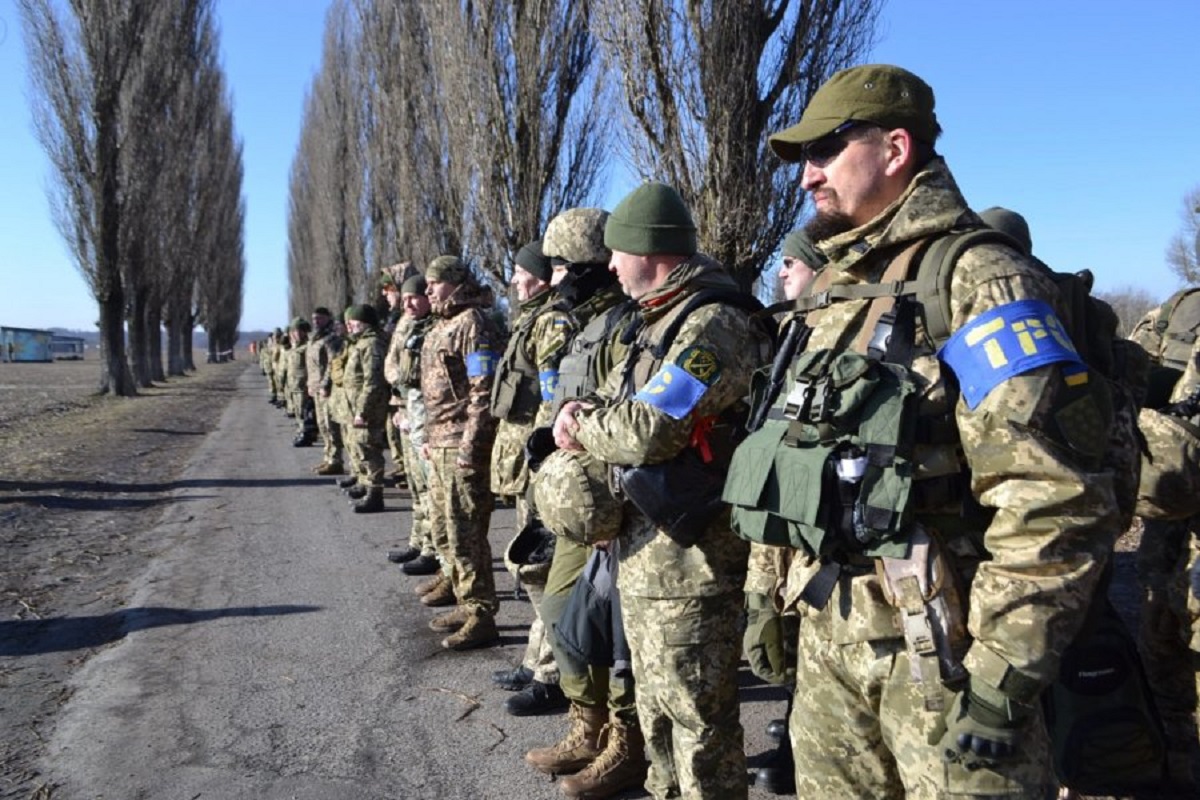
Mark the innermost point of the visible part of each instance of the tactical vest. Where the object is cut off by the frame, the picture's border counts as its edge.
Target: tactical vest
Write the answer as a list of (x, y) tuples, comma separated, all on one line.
[(1177, 327), (578, 375), (409, 367), (516, 391)]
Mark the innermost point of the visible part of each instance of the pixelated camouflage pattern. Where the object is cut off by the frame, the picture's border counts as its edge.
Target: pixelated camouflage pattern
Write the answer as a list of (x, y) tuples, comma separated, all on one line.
[(457, 405), (685, 656), (362, 380), (859, 729), (297, 376), (577, 235), (1054, 523), (632, 432), (460, 510), (571, 493), (391, 360), (323, 345)]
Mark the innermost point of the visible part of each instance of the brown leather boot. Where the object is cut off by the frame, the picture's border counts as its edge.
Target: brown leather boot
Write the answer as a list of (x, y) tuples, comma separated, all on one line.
[(330, 468), (621, 766), (450, 621), (429, 584), (580, 747), (479, 630), (440, 595)]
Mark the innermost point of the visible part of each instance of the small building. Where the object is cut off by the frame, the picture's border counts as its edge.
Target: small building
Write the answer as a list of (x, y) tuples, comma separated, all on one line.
[(25, 344), (67, 348)]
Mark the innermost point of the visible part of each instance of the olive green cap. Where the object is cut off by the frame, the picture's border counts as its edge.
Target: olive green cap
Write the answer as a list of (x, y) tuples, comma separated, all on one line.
[(797, 245), (363, 313), (879, 93), (300, 324), (386, 282), (1011, 223), (414, 284), (531, 259), (651, 220), (449, 269)]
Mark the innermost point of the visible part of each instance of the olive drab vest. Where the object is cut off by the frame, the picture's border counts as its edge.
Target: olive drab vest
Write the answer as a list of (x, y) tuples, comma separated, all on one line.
[(409, 367), (1177, 326), (596, 342), (516, 392)]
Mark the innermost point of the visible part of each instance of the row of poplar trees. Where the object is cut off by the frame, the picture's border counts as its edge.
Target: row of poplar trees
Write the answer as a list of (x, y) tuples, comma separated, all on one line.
[(131, 105), (463, 126)]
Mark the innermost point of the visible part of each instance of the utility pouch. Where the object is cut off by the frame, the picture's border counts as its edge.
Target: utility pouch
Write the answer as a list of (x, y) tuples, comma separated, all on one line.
[(681, 496), (514, 397), (930, 612)]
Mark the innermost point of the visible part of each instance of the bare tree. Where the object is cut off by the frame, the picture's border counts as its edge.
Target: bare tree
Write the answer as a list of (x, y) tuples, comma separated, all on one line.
[(704, 82), (1131, 304), (1183, 252)]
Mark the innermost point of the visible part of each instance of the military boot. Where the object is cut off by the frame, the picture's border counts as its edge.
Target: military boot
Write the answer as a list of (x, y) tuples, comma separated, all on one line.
[(621, 765), (330, 468), (356, 492), (478, 631), (450, 621), (371, 503), (429, 584), (777, 774), (580, 747), (422, 565), (440, 595), (346, 482)]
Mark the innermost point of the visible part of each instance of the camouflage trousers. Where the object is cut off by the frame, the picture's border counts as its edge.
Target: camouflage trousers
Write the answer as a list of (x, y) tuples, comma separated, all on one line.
[(339, 412), (539, 656), (685, 659), (393, 439), (581, 682), (417, 470), (1168, 569), (859, 728), (331, 431), (460, 509), (365, 446)]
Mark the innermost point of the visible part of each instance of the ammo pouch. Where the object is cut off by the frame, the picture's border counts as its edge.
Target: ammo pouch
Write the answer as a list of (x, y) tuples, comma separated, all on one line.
[(515, 396), (1169, 486), (830, 470), (681, 496)]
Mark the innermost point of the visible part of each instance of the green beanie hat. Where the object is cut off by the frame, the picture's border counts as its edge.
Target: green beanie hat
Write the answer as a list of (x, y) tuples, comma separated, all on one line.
[(301, 324), (414, 284), (449, 269), (1011, 223), (878, 93), (531, 259), (363, 313), (651, 220), (322, 310), (797, 245)]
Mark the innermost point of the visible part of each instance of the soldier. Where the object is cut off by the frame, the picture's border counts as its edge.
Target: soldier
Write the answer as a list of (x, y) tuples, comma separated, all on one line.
[(1009, 495), (458, 360), (521, 393), (1168, 555), (297, 370), (402, 369), (389, 287), (324, 345), (667, 414), (339, 406), (599, 695), (366, 399)]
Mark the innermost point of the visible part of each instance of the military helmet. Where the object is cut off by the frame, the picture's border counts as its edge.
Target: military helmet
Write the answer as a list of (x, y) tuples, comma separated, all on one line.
[(577, 235), (529, 553), (571, 494)]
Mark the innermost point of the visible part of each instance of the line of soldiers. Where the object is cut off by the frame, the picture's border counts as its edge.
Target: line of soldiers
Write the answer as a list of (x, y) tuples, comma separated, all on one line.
[(920, 505)]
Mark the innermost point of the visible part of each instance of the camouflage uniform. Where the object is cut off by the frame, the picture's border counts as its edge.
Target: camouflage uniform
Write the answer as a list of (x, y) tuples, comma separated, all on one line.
[(280, 363), (682, 606), (401, 368), (457, 364), (396, 320), (1168, 569), (366, 397), (860, 725), (322, 348), (298, 383)]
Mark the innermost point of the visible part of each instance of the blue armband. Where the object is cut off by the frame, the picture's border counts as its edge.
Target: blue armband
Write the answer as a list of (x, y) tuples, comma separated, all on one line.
[(481, 363), (673, 391), (1007, 341), (548, 381)]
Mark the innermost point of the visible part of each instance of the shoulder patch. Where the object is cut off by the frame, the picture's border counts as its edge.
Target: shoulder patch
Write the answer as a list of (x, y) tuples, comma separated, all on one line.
[(672, 391), (1007, 341), (701, 363)]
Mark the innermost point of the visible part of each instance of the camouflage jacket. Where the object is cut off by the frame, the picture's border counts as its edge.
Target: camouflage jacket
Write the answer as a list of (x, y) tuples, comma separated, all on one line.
[(297, 368), (366, 391), (322, 347), (715, 353), (1031, 570), (458, 361), (391, 361)]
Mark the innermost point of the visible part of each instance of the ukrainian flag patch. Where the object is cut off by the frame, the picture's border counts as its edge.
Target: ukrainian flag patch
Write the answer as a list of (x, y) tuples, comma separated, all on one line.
[(1007, 341), (672, 391)]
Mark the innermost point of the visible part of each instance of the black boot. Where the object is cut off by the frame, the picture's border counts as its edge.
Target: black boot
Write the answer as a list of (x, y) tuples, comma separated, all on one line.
[(403, 555), (356, 492), (777, 774), (513, 680), (303, 440), (372, 502), (536, 698), (422, 565), (346, 482)]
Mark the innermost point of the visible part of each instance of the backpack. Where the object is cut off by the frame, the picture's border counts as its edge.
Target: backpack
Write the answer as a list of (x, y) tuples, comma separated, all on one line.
[(1170, 341)]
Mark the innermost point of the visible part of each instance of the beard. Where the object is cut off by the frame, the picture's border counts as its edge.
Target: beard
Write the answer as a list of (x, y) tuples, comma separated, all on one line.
[(827, 225)]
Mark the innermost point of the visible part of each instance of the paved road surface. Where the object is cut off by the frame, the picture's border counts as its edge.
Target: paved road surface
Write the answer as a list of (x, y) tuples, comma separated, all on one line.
[(274, 653)]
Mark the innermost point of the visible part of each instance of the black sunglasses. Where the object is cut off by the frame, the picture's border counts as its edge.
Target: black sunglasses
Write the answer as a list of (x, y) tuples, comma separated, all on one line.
[(823, 151)]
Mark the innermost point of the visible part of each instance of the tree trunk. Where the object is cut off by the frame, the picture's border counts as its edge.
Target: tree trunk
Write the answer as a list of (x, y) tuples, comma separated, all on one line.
[(154, 342)]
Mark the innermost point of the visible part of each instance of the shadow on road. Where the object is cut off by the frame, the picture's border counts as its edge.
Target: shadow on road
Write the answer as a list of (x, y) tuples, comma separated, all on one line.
[(104, 487), (32, 636)]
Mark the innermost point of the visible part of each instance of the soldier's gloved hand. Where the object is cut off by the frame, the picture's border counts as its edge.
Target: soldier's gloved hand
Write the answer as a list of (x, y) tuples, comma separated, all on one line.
[(763, 640), (981, 727)]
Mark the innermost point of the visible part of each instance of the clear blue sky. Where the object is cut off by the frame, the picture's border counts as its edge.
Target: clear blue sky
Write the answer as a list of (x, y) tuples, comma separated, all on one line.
[(1081, 114)]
